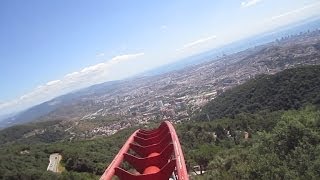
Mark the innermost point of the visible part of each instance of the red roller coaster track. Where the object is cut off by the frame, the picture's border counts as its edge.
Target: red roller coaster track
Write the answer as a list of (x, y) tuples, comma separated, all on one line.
[(157, 155)]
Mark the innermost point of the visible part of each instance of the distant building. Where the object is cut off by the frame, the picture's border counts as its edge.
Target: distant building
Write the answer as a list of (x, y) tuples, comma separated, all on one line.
[(147, 103), (160, 103)]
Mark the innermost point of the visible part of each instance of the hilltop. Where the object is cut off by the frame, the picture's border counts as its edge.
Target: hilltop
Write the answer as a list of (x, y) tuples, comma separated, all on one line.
[(289, 89)]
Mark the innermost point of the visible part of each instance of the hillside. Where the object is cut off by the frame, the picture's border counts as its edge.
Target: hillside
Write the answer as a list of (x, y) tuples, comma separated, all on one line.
[(81, 159), (60, 131), (280, 115), (289, 89)]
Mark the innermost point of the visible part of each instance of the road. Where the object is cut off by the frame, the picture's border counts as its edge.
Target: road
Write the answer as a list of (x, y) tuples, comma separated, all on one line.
[(54, 161)]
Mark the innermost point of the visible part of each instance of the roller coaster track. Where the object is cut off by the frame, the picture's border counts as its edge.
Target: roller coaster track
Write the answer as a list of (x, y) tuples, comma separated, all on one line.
[(154, 154)]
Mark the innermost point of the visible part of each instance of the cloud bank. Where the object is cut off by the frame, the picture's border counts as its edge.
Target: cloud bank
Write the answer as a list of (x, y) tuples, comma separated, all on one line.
[(196, 43), (76, 80)]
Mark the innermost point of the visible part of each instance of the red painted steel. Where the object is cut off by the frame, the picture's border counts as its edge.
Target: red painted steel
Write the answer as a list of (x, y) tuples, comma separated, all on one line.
[(157, 155)]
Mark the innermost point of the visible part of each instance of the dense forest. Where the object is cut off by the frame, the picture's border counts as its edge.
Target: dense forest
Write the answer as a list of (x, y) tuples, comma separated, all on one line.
[(18, 132), (85, 159), (287, 149), (280, 113), (289, 89)]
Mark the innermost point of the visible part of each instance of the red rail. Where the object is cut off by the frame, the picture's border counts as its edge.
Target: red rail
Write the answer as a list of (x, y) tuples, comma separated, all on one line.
[(154, 154)]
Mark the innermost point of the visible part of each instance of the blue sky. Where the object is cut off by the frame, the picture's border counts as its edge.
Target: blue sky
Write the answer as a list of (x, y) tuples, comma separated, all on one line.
[(48, 48)]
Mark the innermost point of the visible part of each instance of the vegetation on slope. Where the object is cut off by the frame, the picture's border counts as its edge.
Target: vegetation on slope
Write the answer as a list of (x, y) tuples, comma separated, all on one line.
[(18, 132), (290, 150), (82, 159), (289, 89)]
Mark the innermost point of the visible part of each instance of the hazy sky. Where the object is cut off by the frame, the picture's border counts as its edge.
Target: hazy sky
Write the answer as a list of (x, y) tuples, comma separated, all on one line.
[(48, 48)]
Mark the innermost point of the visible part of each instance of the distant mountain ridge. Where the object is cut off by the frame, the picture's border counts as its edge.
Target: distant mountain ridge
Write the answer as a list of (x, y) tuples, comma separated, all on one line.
[(47, 107)]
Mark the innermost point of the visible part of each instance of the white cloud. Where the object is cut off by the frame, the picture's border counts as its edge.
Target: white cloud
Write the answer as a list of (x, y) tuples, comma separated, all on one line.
[(294, 12), (270, 24), (6, 104), (71, 74), (196, 43), (123, 58), (248, 3), (87, 76), (100, 55), (53, 82), (164, 27), (92, 68)]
